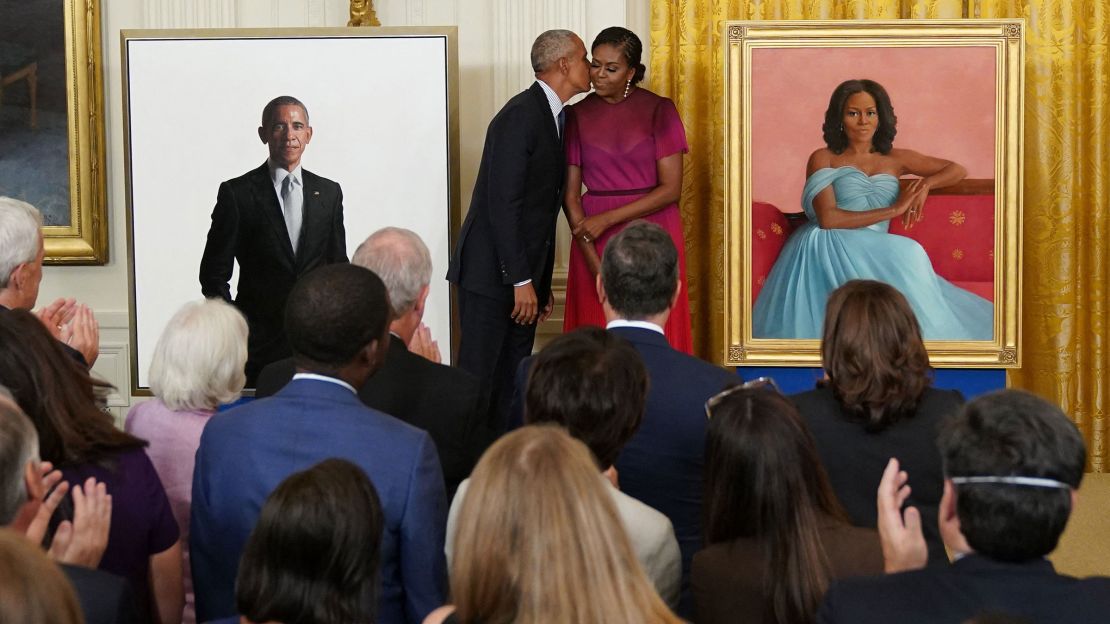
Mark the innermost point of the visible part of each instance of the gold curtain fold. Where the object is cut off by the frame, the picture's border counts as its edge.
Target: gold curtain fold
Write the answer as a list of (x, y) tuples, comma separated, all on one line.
[(1066, 355)]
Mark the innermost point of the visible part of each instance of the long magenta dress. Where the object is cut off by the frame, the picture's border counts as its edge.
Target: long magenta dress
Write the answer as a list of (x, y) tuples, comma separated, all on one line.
[(617, 146)]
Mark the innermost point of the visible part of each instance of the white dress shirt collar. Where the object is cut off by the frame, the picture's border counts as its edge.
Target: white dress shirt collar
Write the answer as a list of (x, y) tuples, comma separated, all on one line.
[(552, 99), (637, 324), (315, 377)]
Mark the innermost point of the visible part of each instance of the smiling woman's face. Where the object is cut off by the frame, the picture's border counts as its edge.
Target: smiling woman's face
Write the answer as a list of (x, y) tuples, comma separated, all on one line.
[(861, 117)]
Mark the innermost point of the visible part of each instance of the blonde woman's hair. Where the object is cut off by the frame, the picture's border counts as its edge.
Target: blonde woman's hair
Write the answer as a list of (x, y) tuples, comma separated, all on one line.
[(540, 540), (32, 588), (200, 357)]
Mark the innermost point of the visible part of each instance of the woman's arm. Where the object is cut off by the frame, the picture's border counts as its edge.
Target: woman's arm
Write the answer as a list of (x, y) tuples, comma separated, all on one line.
[(669, 171), (934, 172), (166, 585), (572, 206), (832, 217)]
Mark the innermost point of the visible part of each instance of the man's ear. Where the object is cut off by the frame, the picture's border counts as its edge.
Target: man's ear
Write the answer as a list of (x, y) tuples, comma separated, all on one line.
[(421, 299), (32, 482), (262, 135), (677, 292), (600, 289), (948, 521)]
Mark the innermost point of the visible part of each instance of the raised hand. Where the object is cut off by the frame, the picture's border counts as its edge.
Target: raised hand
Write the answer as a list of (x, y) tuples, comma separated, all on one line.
[(82, 542), (899, 532), (423, 345)]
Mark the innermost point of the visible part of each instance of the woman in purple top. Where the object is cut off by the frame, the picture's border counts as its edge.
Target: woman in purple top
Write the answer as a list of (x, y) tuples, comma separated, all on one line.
[(625, 144), (198, 364), (64, 402)]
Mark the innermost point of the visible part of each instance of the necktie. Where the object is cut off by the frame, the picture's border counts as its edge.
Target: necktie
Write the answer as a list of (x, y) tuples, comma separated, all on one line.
[(291, 205), (562, 120)]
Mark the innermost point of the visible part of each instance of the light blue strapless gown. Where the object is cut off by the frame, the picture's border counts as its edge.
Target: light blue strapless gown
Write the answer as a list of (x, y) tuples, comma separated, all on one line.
[(815, 261)]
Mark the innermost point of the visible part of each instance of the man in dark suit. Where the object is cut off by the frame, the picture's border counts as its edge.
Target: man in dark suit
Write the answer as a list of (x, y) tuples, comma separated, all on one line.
[(446, 402), (1013, 463), (337, 319), (662, 464), (279, 222), (506, 249), (26, 508)]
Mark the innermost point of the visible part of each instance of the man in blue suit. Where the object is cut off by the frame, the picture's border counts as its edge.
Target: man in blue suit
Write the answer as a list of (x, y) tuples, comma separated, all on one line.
[(662, 464), (337, 321)]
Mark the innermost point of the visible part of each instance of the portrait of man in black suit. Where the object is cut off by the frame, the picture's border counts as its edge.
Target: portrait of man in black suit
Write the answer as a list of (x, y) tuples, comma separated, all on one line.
[(279, 222), (505, 253)]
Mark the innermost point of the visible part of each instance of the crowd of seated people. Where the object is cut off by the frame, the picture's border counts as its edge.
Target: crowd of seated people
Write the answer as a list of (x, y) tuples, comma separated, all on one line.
[(639, 484)]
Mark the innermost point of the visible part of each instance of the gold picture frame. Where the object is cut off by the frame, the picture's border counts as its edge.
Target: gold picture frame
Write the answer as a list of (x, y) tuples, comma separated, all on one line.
[(872, 46), (85, 239)]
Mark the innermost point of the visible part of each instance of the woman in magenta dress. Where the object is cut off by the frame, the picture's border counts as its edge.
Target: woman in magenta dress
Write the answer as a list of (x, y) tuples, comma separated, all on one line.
[(626, 144)]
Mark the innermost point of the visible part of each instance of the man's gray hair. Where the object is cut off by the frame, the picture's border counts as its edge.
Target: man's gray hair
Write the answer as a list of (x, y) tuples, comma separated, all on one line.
[(19, 235), (403, 262), (199, 358), (551, 46), (19, 444)]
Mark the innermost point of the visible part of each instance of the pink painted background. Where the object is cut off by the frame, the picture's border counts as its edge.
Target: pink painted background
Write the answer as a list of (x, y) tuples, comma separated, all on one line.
[(944, 99)]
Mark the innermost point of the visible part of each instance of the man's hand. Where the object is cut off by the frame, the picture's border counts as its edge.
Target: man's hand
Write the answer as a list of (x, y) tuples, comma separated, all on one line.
[(57, 315), (40, 511), (82, 542), (525, 307), (549, 308), (423, 345), (900, 535), (83, 333)]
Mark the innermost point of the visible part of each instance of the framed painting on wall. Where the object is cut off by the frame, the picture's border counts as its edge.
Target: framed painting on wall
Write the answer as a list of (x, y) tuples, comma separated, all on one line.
[(876, 150)]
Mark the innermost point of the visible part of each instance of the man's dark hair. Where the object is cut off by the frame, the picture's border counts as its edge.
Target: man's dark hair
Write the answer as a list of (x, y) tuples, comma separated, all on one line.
[(1012, 433), (333, 313), (281, 100), (833, 128), (639, 270), (593, 383), (313, 555)]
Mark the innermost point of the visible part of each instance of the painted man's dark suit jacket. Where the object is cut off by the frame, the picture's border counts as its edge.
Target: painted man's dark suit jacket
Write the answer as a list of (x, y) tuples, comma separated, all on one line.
[(248, 226), (661, 466), (444, 401), (509, 233), (247, 451), (1030, 592)]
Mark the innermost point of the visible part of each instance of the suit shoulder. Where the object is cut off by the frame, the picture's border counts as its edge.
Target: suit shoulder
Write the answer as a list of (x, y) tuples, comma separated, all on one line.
[(318, 180), (249, 178)]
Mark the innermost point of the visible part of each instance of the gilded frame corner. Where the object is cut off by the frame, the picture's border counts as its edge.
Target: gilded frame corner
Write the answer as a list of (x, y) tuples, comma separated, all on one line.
[(1006, 36), (85, 239)]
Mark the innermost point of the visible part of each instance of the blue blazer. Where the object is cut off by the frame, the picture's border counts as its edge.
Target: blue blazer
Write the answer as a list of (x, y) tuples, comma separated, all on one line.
[(662, 464), (246, 452)]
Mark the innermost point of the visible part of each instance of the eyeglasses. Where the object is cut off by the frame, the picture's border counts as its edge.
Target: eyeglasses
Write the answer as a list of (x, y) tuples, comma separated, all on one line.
[(758, 382)]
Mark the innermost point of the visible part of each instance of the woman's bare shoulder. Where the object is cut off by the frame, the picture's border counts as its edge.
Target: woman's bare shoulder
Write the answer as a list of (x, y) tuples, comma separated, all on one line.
[(819, 159)]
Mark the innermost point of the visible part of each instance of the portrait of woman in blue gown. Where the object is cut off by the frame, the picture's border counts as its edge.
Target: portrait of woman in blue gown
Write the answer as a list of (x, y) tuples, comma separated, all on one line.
[(851, 193)]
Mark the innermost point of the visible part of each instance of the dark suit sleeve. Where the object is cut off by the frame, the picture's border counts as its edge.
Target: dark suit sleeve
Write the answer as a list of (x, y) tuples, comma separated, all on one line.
[(219, 251), (423, 525), (510, 136), (337, 247)]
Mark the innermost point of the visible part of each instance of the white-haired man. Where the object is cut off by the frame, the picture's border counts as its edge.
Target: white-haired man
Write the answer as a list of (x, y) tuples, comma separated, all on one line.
[(21, 254)]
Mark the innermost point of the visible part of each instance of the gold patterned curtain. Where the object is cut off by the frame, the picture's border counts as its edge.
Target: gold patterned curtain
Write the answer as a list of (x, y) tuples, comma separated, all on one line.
[(1066, 339)]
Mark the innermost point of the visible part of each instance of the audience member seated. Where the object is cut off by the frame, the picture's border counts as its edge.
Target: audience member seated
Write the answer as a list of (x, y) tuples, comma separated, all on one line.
[(313, 556), (593, 383), (63, 402), (877, 403), (198, 365), (776, 532), (412, 385), (540, 541), (26, 507), (1013, 463), (21, 254), (337, 322), (32, 588), (661, 465)]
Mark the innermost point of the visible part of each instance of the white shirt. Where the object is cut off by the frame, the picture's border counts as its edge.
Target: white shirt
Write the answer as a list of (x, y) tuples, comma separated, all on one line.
[(314, 376), (277, 176), (638, 324)]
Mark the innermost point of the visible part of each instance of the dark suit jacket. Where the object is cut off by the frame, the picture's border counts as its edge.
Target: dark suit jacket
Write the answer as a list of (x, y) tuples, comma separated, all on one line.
[(248, 226), (509, 233), (446, 402), (661, 466), (855, 459), (972, 586), (247, 451), (727, 579), (105, 598)]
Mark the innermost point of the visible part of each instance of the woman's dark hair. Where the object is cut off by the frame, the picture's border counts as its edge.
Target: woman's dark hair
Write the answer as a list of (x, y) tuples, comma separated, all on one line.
[(873, 355), (629, 45), (58, 395), (764, 481), (313, 555), (833, 128)]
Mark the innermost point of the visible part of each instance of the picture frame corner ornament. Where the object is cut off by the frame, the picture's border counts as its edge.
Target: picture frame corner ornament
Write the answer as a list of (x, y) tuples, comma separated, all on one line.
[(1013, 31), (737, 353), (1007, 355), (737, 32)]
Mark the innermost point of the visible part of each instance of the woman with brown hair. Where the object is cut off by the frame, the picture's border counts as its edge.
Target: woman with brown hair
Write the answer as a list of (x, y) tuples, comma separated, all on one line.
[(32, 588), (63, 402), (775, 532), (539, 541), (876, 403)]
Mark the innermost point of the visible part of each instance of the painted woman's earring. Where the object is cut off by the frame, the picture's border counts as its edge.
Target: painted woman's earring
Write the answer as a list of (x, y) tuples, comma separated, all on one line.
[(627, 87)]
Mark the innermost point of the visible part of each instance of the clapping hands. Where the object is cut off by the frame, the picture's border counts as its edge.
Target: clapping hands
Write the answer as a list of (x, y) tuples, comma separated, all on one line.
[(899, 532), (74, 324)]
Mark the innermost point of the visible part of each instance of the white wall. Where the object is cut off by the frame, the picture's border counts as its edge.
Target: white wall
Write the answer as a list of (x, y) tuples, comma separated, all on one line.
[(494, 38)]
